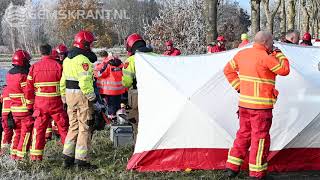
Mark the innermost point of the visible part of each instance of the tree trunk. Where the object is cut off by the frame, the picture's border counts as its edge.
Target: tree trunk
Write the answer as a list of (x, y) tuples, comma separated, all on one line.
[(270, 15), (255, 16), (314, 16), (291, 14), (212, 13), (283, 23), (306, 17)]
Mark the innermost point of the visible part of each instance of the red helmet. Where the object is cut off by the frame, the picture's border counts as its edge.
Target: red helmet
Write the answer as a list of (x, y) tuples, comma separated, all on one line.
[(131, 40), (21, 58), (61, 49), (220, 38), (169, 43), (306, 37), (83, 39)]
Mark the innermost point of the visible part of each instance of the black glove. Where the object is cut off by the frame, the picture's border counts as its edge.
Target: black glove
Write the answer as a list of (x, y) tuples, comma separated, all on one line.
[(277, 50), (30, 111), (99, 122), (11, 123), (65, 107)]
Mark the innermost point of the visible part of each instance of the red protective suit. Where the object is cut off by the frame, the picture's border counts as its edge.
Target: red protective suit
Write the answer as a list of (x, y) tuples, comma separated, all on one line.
[(16, 83), (215, 49), (252, 72), (110, 81), (243, 43), (43, 86), (254, 133), (173, 52), (7, 132)]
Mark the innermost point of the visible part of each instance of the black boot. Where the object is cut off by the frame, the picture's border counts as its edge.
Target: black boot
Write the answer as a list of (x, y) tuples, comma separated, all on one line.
[(230, 173), (84, 165), (68, 161)]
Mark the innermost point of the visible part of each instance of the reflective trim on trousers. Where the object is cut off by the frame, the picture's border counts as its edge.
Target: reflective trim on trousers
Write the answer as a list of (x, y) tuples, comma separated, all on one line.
[(68, 148), (73, 90), (234, 160), (13, 151), (34, 139), (36, 152), (23, 152), (260, 152), (258, 168), (81, 152)]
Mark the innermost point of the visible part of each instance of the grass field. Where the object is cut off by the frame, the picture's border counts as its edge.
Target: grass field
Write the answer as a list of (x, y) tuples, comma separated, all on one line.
[(112, 165)]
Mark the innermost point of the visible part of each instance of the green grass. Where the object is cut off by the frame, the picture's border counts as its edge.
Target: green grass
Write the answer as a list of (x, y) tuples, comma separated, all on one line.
[(111, 162)]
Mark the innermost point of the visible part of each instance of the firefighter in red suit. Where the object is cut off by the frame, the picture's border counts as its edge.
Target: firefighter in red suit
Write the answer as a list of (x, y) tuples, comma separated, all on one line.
[(7, 132), (43, 87), (110, 86), (252, 72), (171, 51), (20, 106), (306, 40), (59, 53), (218, 47)]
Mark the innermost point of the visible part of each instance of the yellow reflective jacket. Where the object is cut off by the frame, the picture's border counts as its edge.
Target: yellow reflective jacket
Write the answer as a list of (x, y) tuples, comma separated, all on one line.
[(78, 69), (129, 72)]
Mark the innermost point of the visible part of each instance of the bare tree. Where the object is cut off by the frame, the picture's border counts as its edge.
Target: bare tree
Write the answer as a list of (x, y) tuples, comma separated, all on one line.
[(313, 14), (255, 16), (306, 17), (212, 11), (291, 14), (270, 14), (283, 23)]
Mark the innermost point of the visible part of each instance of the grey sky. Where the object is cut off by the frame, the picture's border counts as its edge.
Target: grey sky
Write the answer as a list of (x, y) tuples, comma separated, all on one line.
[(245, 4)]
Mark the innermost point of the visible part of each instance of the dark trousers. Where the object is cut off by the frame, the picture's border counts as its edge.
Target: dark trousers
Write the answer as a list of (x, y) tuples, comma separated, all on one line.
[(113, 103)]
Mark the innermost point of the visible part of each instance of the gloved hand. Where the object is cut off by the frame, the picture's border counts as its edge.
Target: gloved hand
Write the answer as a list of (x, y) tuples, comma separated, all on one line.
[(65, 107), (63, 99), (276, 50), (91, 97), (30, 111)]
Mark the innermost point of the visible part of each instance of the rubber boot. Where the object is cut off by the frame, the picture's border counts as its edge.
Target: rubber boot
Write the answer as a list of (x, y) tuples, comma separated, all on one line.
[(84, 165), (68, 162), (230, 173)]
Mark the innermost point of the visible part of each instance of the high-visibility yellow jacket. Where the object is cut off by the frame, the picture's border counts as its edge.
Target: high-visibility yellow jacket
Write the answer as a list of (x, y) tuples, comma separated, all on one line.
[(129, 71), (78, 69), (253, 72)]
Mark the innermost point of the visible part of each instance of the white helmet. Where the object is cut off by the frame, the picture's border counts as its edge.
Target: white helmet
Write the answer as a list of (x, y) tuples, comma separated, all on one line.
[(122, 116)]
